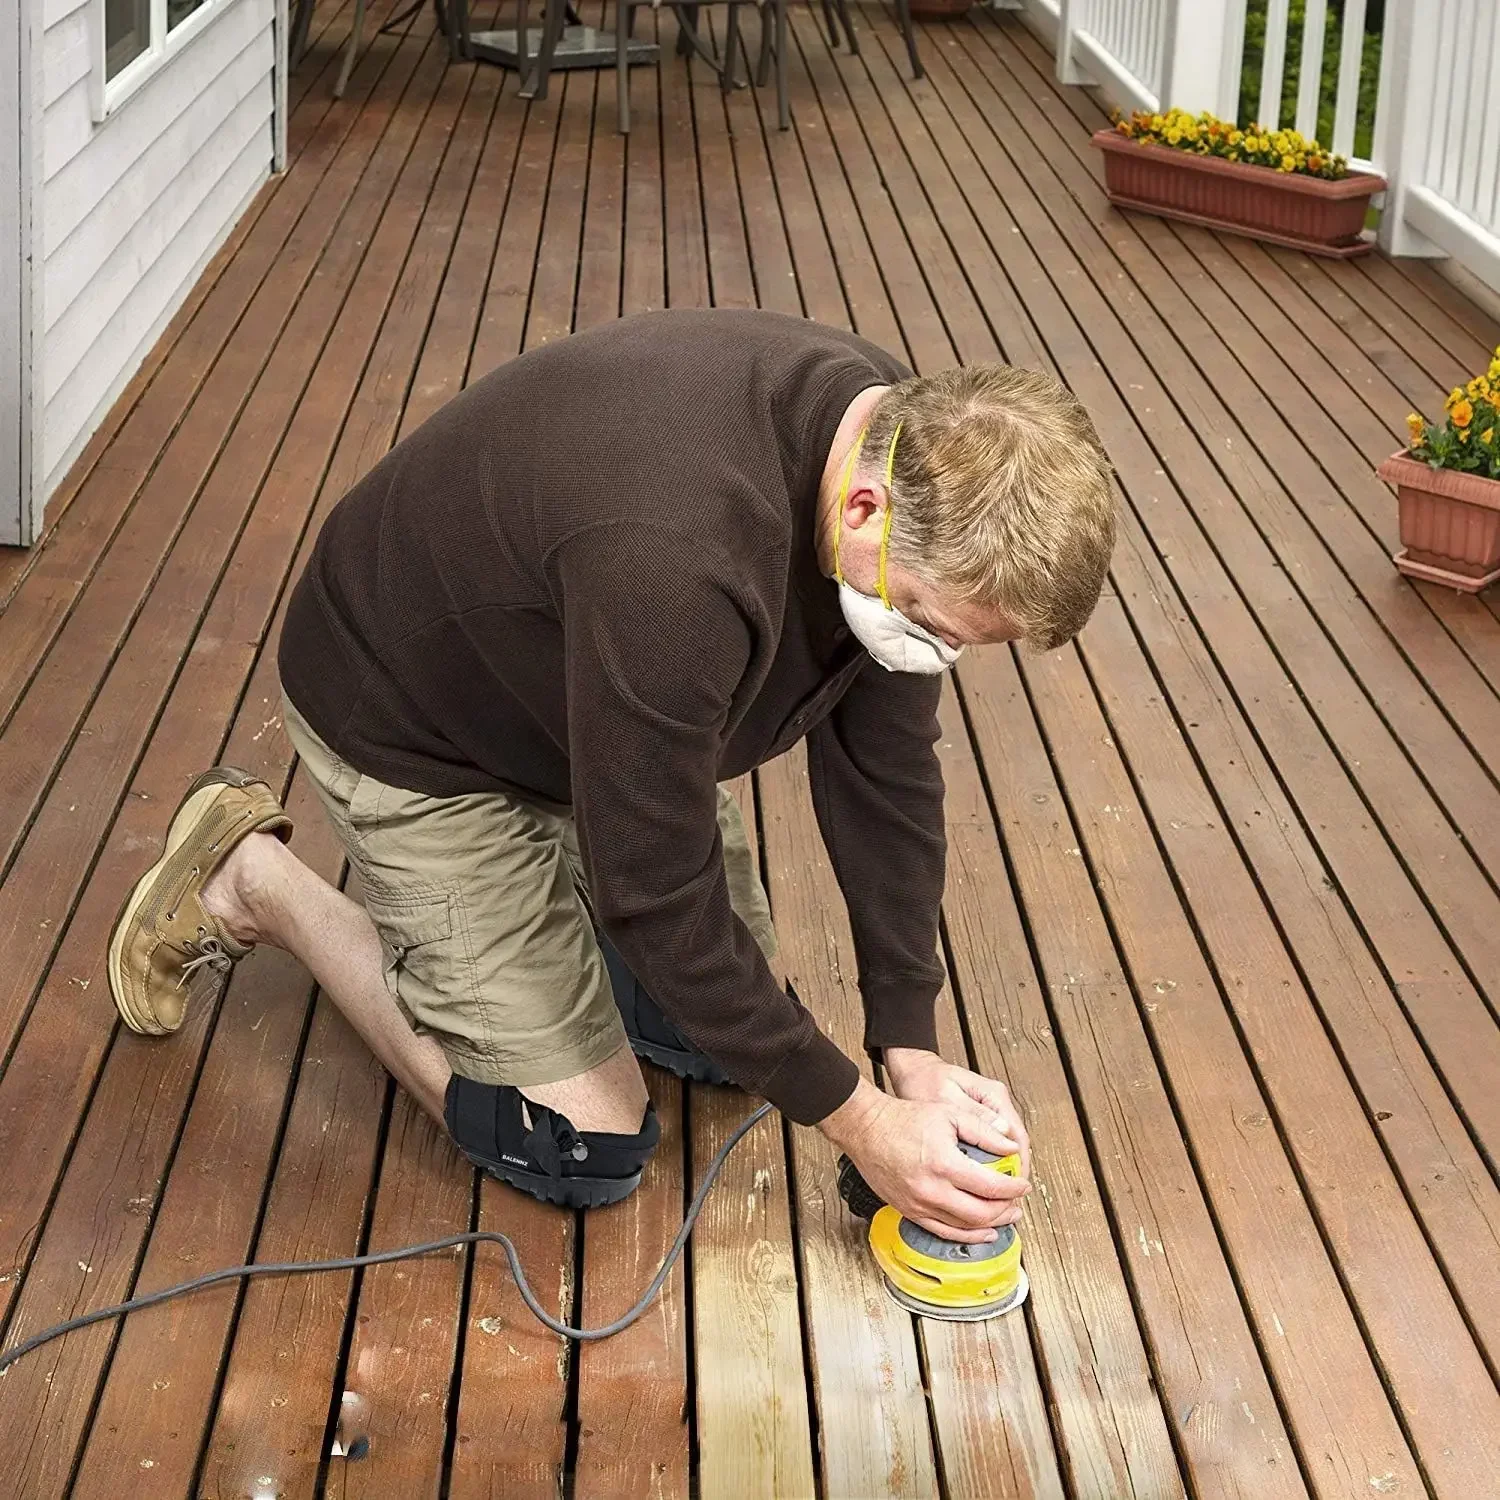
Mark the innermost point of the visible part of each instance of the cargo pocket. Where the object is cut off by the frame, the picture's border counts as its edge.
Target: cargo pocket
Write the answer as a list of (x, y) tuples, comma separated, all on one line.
[(424, 964)]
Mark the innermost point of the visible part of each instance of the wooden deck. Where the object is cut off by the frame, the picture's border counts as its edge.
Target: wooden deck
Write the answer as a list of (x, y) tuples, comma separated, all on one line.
[(1225, 889)]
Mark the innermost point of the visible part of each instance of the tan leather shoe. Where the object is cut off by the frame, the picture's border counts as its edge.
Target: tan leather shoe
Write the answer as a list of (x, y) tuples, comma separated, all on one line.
[(165, 936)]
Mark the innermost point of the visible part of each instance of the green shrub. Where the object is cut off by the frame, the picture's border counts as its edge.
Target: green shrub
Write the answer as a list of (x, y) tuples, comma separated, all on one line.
[(1250, 73)]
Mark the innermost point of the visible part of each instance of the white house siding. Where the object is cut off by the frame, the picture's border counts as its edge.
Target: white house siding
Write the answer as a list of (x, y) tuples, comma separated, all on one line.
[(133, 207)]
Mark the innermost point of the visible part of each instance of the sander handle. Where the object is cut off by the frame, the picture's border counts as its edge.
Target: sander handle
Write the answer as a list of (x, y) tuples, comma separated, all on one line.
[(864, 1202)]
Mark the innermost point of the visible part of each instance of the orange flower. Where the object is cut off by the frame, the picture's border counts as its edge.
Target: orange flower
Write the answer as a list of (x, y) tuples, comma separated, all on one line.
[(1416, 424), (1462, 413)]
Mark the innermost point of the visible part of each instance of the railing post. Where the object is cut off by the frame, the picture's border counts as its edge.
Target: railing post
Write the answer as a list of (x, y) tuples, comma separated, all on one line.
[(1072, 16), (1200, 58), (1403, 119)]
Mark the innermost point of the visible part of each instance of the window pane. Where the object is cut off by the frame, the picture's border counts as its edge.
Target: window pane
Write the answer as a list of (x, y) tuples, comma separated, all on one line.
[(127, 32), (180, 10)]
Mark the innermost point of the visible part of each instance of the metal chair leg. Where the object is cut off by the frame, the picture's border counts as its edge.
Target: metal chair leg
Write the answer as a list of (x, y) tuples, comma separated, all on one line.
[(522, 45), (552, 25), (458, 14), (830, 20), (903, 11), (687, 21), (767, 45), (624, 13), (350, 51), (783, 104), (844, 16), (731, 47), (301, 25)]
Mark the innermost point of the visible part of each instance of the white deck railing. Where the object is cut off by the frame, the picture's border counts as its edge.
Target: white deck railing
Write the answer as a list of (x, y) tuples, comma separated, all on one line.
[(1437, 117)]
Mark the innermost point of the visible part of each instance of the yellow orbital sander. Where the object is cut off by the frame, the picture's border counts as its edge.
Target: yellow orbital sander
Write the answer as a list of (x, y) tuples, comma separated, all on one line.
[(934, 1277)]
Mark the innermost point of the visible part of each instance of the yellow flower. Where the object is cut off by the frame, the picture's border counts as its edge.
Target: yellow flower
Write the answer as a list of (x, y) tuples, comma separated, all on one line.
[(1454, 397), (1478, 387), (1494, 370), (1236, 137), (1416, 424), (1462, 413), (1487, 436), (1288, 164), (1174, 135)]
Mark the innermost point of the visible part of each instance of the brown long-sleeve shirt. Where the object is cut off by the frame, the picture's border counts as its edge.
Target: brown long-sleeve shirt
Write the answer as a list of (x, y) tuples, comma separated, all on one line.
[(591, 578)]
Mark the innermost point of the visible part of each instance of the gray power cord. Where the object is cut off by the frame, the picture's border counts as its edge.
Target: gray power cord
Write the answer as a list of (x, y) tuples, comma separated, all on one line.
[(410, 1252)]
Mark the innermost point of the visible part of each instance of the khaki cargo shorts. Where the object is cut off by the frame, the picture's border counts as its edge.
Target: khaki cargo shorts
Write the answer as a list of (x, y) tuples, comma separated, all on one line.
[(482, 912)]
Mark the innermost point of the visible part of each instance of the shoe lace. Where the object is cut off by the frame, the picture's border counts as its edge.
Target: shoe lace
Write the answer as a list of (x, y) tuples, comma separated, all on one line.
[(211, 956)]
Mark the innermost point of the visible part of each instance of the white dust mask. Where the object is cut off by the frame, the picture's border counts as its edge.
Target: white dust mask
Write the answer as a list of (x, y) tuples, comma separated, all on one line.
[(898, 644)]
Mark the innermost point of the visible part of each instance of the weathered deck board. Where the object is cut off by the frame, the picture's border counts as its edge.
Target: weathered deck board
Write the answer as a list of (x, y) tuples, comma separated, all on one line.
[(1224, 879)]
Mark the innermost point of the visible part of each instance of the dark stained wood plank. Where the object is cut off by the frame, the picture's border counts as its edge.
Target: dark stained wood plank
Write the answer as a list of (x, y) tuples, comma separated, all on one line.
[(1428, 278), (1262, 459), (681, 191), (160, 1387), (1352, 1329), (643, 265), (371, 422), (633, 1395), (1260, 677), (766, 232), (750, 1378), (425, 1319), (271, 1418), (601, 253), (502, 323), (70, 557), (816, 185), (730, 276), (1448, 322), (185, 739), (1326, 1382), (1429, 1149), (510, 1426), (796, 250), (64, 838), (1101, 1375), (1203, 1357), (249, 587), (406, 1329), (633, 1398), (866, 1371), (1388, 1268), (903, 262)]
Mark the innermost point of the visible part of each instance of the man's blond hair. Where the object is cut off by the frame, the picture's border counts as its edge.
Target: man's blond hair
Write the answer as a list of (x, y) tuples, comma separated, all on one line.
[(1000, 494)]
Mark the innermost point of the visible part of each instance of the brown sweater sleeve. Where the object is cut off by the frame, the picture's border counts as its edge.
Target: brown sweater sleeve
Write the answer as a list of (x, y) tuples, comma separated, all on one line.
[(655, 646), (877, 788)]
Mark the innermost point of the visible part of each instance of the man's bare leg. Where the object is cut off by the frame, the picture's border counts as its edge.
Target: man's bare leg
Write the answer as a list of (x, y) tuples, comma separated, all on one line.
[(264, 894)]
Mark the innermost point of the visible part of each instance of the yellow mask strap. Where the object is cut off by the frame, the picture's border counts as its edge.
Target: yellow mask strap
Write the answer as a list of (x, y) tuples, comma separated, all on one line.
[(838, 524), (885, 529)]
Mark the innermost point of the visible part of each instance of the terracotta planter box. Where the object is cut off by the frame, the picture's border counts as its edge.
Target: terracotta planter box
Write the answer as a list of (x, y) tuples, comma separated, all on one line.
[(1305, 213), (1450, 523)]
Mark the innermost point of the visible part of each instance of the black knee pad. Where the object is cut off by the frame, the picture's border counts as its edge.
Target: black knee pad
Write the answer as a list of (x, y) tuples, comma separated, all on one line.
[(651, 1034), (548, 1158)]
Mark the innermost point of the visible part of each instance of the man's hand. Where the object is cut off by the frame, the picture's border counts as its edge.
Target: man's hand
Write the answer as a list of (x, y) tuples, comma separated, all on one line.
[(915, 1074), (908, 1152)]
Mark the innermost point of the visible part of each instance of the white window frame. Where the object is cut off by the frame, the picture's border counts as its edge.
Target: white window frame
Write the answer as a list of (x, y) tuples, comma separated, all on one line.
[(108, 94)]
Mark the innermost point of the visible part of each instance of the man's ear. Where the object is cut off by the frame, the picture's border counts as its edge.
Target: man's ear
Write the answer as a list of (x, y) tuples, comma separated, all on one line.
[(862, 504)]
